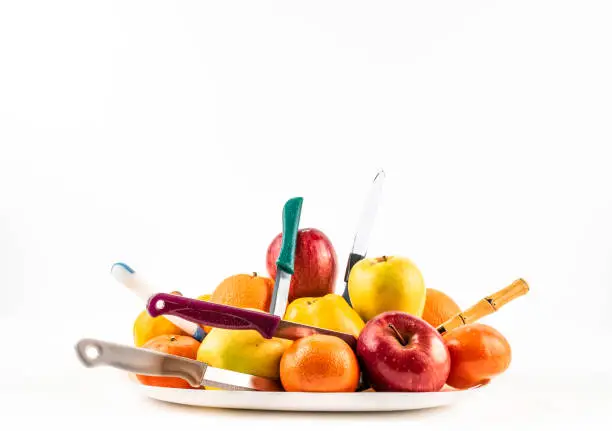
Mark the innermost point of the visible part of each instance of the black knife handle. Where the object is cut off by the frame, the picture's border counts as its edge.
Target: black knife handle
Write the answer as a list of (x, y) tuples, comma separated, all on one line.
[(352, 260)]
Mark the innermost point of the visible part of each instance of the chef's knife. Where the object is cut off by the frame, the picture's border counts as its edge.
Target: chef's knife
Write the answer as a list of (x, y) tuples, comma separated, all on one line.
[(125, 275), (364, 228), (143, 361), (228, 317), (286, 256)]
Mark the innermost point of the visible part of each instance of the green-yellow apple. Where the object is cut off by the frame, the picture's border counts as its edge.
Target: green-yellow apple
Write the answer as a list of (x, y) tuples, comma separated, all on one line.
[(244, 351), (387, 283)]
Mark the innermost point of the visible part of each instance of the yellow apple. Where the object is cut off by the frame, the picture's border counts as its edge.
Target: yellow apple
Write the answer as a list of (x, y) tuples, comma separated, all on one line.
[(387, 283)]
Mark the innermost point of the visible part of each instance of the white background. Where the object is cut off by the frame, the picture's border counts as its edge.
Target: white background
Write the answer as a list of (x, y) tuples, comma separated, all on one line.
[(169, 134)]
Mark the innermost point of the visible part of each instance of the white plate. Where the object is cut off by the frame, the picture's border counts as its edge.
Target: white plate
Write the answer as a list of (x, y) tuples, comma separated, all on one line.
[(305, 401)]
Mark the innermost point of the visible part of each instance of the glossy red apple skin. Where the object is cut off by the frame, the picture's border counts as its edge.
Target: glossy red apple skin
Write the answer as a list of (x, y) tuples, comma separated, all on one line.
[(422, 365), (315, 267)]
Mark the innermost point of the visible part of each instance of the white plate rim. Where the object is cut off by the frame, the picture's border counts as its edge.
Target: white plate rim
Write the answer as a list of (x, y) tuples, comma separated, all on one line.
[(306, 401)]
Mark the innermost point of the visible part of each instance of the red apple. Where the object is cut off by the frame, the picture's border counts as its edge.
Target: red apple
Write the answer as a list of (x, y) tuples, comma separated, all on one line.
[(400, 352), (315, 264)]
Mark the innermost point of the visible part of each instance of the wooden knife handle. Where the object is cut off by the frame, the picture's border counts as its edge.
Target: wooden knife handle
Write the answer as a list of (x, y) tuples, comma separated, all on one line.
[(487, 305)]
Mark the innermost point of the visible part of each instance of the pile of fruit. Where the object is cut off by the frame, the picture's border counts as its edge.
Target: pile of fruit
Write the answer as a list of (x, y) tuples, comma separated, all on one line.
[(395, 318)]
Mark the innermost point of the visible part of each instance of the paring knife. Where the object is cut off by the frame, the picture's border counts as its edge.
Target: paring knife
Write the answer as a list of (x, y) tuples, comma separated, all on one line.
[(125, 275), (286, 256), (228, 317), (143, 361), (364, 228), (487, 305)]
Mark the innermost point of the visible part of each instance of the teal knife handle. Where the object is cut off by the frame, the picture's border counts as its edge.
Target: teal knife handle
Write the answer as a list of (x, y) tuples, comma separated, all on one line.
[(291, 221)]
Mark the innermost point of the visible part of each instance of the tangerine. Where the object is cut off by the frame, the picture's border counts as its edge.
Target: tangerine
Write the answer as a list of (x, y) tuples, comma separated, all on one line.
[(179, 345), (439, 307), (478, 353), (245, 291), (319, 363)]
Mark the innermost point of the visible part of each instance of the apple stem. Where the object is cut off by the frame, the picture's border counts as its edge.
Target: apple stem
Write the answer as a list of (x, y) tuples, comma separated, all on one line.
[(254, 274), (401, 339)]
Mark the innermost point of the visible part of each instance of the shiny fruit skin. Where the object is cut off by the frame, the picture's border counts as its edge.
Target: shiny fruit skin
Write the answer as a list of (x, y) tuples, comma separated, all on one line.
[(478, 353), (244, 351), (439, 307), (387, 283), (315, 265), (245, 291), (146, 327), (178, 345), (330, 312), (319, 363), (418, 362)]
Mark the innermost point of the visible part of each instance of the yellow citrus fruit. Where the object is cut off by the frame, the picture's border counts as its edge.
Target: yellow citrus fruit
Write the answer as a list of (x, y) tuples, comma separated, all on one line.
[(330, 312)]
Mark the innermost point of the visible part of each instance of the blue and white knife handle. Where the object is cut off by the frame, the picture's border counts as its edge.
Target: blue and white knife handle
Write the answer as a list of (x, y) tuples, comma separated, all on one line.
[(125, 275)]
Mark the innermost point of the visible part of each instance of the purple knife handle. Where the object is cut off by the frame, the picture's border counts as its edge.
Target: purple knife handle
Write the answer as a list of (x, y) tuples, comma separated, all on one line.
[(211, 314)]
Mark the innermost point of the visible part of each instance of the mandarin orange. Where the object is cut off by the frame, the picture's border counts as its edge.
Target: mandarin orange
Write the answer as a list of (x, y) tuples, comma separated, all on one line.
[(178, 345), (245, 291), (319, 363), (478, 353), (439, 307)]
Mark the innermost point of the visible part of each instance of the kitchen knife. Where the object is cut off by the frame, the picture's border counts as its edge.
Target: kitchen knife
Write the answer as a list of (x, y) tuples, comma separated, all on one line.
[(143, 361), (364, 228), (286, 256), (228, 317), (487, 305), (125, 275)]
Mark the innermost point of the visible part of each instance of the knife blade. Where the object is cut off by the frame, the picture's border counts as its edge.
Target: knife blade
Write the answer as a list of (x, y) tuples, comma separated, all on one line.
[(93, 353), (286, 256), (125, 275), (364, 229), (228, 317)]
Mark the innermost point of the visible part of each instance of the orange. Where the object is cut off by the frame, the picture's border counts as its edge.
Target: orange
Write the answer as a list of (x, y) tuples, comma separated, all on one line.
[(319, 363), (439, 307), (245, 291), (179, 345), (478, 353)]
